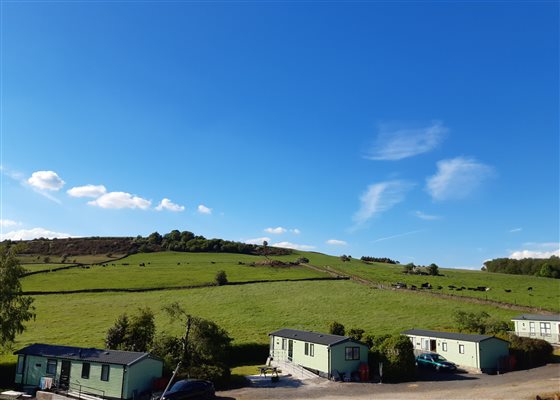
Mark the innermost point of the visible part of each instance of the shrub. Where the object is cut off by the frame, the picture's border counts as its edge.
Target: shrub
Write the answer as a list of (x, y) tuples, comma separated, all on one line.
[(336, 328), (530, 352), (221, 278), (356, 333), (302, 260), (398, 359)]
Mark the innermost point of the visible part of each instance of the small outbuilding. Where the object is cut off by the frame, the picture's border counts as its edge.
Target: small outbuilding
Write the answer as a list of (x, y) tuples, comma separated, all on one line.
[(546, 327), (482, 353), (111, 374), (323, 354)]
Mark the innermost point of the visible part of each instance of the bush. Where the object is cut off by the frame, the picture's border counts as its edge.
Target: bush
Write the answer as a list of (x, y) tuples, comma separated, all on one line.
[(356, 333), (398, 359), (336, 328), (221, 278), (302, 260), (530, 352)]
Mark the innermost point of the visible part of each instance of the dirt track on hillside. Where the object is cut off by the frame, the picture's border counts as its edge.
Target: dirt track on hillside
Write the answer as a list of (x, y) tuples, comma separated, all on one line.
[(522, 385)]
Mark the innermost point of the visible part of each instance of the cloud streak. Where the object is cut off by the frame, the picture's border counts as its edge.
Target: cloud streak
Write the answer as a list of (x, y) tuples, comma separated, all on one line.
[(397, 236), (457, 178), (379, 198), (336, 242), (393, 145), (426, 217)]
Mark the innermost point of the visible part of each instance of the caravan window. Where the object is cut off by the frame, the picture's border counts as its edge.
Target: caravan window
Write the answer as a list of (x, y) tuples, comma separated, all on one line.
[(51, 367)]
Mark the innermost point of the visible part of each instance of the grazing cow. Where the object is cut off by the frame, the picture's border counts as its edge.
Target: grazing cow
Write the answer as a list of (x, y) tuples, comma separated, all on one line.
[(178, 263), (530, 288), (451, 286), (462, 287), (412, 287), (426, 285), (440, 287), (481, 288), (459, 289), (507, 290)]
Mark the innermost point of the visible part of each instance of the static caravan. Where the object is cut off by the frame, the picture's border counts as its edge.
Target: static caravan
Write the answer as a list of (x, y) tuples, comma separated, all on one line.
[(109, 374), (476, 352), (546, 327), (320, 353)]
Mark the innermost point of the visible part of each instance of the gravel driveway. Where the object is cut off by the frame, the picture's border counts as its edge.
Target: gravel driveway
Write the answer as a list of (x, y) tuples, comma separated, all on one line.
[(513, 385)]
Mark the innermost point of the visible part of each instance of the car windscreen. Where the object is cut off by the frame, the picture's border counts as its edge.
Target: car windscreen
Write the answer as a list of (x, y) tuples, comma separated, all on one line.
[(181, 386)]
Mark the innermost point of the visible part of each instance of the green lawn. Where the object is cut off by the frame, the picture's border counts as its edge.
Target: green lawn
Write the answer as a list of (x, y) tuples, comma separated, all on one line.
[(545, 293), (167, 269), (249, 312)]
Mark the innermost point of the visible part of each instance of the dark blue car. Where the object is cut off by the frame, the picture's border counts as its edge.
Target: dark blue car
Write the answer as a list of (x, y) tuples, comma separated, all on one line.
[(190, 389)]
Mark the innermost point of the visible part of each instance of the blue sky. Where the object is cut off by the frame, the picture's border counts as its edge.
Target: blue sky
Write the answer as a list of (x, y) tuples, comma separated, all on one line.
[(420, 131)]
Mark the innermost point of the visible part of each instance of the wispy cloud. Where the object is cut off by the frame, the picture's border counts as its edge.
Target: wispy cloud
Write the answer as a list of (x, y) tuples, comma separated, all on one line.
[(380, 197), (457, 178), (258, 240), (336, 242), (119, 200), (93, 191), (426, 217), (202, 209), (397, 236), (45, 180), (34, 233), (166, 204), (395, 144), (7, 223), (294, 246), (515, 230)]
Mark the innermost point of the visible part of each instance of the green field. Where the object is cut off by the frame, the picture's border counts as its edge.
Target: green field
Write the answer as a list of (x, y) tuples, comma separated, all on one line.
[(249, 312), (545, 292), (167, 269)]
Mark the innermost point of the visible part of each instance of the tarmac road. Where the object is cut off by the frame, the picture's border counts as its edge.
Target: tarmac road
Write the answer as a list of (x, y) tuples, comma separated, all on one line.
[(513, 385)]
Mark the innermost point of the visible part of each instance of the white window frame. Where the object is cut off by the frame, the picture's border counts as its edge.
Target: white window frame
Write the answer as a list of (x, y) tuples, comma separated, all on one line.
[(312, 350), (545, 329), (461, 349), (532, 331), (443, 346)]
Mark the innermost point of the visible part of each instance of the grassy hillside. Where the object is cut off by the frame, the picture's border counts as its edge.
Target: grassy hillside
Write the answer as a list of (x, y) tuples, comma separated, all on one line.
[(249, 312), (545, 292), (168, 269)]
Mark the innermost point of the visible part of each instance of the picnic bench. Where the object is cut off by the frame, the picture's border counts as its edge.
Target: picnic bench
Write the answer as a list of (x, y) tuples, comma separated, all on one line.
[(266, 369)]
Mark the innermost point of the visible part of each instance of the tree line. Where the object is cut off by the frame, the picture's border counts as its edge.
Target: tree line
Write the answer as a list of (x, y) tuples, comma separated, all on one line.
[(368, 259), (545, 267), (186, 241)]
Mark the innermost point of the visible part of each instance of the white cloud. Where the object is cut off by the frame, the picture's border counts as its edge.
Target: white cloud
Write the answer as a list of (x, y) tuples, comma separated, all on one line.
[(45, 180), (380, 197), (202, 209), (6, 223), (120, 200), (258, 241), (294, 246), (335, 242), (166, 204), (426, 217), (276, 231), (520, 254), (295, 231), (515, 230), (396, 144), (87, 191), (34, 233), (456, 178)]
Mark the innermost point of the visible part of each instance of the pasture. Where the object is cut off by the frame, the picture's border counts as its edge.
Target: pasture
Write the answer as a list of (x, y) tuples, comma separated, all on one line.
[(169, 269), (545, 293)]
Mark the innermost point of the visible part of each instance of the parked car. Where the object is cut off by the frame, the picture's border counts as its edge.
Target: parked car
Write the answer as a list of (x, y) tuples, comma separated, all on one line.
[(434, 360), (189, 389)]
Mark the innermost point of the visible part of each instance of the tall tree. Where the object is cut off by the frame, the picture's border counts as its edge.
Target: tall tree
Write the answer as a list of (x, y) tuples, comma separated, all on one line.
[(15, 308)]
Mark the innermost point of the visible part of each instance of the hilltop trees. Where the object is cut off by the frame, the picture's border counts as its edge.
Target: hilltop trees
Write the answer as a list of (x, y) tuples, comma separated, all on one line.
[(15, 309), (336, 328), (544, 267)]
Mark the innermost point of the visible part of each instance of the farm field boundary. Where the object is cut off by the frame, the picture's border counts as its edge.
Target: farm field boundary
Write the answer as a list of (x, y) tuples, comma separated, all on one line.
[(185, 287), (341, 274)]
